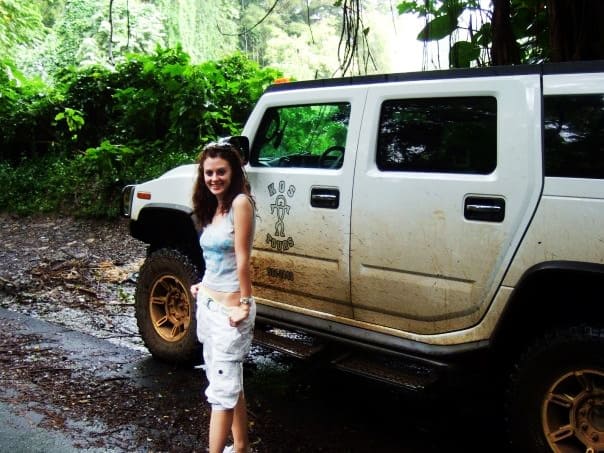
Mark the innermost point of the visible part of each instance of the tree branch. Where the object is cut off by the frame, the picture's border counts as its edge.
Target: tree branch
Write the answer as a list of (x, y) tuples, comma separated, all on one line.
[(245, 32)]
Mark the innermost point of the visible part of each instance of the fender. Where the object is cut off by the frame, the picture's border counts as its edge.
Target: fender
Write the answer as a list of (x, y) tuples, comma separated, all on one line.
[(161, 224), (552, 293)]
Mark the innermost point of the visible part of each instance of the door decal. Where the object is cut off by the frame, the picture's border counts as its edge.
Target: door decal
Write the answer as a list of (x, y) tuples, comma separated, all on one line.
[(279, 208)]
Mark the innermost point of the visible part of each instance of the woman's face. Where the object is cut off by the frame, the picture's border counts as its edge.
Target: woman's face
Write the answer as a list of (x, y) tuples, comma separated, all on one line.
[(217, 175)]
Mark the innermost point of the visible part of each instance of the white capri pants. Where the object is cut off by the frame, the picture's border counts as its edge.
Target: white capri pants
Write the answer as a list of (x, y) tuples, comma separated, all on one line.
[(224, 348)]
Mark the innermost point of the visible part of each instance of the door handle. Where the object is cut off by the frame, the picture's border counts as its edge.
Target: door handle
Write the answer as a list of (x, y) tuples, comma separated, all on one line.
[(484, 209), (322, 197)]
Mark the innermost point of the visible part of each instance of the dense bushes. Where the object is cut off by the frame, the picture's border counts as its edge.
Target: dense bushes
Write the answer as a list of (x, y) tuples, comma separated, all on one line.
[(73, 146)]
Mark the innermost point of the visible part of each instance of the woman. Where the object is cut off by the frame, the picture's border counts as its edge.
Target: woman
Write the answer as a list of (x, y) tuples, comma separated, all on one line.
[(225, 306)]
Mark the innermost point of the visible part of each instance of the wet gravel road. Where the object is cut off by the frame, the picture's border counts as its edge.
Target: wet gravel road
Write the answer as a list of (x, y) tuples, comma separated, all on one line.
[(75, 376)]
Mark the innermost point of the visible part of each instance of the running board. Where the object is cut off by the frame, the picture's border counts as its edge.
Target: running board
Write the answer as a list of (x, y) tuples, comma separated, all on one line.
[(294, 344), (408, 373), (411, 376)]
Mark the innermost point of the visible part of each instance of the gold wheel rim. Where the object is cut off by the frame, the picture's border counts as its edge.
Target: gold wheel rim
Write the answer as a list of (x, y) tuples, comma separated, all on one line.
[(170, 308), (572, 414)]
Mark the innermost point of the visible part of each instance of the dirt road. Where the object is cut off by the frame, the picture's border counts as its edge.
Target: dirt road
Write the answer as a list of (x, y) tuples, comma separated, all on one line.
[(75, 375)]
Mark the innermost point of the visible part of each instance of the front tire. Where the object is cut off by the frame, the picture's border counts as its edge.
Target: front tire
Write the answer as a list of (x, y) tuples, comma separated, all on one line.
[(165, 308), (556, 397)]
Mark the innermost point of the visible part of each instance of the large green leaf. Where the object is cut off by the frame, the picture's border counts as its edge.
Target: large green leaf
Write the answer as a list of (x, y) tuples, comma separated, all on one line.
[(405, 7), (462, 54), (484, 36), (522, 20), (438, 28)]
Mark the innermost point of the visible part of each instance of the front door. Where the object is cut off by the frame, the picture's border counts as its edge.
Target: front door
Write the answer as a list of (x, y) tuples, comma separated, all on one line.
[(301, 170)]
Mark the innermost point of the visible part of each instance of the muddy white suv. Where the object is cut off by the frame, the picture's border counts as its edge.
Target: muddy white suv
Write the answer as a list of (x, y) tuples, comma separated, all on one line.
[(426, 229)]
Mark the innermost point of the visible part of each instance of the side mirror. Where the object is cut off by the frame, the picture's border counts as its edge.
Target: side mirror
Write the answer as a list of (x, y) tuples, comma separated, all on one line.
[(242, 144)]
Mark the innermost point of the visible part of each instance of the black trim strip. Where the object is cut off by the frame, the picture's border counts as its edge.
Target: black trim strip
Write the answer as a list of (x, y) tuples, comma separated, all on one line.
[(574, 67), (577, 266), (545, 68), (409, 76)]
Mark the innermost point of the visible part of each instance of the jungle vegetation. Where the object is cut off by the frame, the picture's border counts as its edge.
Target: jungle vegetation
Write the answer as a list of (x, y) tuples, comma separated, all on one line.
[(95, 94)]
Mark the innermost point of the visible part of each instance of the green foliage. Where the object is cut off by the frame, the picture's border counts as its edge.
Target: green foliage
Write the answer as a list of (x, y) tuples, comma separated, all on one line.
[(185, 104), (463, 53), (528, 19), (20, 23), (206, 30), (438, 28), (238, 81), (300, 38), (34, 185), (443, 20), (27, 110), (303, 130), (79, 34), (77, 23), (446, 20), (531, 29), (73, 147), (98, 176), (74, 120)]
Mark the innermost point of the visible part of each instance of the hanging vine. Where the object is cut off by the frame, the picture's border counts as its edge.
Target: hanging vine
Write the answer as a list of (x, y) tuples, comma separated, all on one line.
[(110, 43), (353, 47), (128, 24)]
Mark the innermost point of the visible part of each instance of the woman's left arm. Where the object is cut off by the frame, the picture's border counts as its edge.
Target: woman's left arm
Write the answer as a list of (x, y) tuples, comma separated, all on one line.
[(243, 218)]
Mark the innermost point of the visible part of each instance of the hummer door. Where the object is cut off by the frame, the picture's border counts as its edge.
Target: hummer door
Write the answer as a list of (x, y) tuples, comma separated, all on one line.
[(448, 176), (301, 168)]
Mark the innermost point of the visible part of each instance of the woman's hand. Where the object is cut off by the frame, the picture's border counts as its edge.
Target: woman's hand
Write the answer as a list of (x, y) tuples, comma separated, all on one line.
[(238, 314), (195, 289)]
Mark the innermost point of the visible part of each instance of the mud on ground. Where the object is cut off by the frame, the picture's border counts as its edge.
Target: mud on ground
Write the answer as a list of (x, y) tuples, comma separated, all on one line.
[(77, 273), (81, 274)]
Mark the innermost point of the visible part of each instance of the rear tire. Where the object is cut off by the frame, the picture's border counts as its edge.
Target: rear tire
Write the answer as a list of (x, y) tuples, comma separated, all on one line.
[(556, 398), (165, 308)]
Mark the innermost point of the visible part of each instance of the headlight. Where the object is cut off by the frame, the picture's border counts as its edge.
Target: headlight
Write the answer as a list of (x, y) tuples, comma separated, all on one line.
[(127, 194)]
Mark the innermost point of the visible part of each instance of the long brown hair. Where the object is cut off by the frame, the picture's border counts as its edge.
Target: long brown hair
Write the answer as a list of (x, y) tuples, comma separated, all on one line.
[(204, 201)]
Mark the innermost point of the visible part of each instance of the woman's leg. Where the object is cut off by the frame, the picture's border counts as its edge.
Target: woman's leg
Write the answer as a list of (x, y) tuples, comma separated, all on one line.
[(239, 426), (220, 425)]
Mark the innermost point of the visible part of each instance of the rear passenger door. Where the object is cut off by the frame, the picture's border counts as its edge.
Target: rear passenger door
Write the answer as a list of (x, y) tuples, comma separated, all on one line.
[(448, 175), (301, 170)]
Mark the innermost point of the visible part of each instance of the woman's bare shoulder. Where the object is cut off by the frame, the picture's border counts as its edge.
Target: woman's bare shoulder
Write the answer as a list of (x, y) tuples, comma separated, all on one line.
[(243, 204), (242, 201)]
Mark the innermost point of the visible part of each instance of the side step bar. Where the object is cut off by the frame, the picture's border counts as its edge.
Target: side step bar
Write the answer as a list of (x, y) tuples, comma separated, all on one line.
[(411, 376), (402, 371), (294, 344)]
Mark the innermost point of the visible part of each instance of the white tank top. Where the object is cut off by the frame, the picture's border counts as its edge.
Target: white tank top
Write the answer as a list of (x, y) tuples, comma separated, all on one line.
[(217, 242)]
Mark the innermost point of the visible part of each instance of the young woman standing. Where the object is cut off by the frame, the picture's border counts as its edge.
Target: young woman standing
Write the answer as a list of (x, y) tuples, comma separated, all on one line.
[(225, 307)]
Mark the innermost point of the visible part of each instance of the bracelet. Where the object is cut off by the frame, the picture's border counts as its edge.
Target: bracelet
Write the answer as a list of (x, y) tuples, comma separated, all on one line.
[(246, 300)]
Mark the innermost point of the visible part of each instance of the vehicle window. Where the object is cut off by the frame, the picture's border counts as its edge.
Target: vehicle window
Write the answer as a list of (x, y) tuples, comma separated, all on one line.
[(445, 135), (574, 136), (307, 136)]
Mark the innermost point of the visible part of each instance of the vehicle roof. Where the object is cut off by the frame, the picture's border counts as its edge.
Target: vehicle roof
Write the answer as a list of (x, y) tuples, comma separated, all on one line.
[(544, 68)]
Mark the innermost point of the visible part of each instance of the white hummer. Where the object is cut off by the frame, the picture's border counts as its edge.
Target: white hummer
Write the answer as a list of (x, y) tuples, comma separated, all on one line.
[(426, 226)]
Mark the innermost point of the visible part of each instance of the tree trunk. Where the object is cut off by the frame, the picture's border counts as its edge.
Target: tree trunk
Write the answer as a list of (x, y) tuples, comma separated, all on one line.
[(575, 29), (505, 49)]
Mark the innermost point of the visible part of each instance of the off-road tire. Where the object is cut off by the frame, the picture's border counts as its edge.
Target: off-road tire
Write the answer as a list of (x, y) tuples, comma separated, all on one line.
[(165, 308), (555, 401)]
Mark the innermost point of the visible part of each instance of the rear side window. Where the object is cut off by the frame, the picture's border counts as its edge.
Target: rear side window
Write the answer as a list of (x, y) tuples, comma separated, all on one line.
[(303, 136), (574, 136), (445, 135)]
